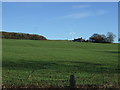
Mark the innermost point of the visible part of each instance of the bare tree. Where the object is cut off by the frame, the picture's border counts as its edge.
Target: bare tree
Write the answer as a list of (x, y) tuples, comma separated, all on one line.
[(110, 37)]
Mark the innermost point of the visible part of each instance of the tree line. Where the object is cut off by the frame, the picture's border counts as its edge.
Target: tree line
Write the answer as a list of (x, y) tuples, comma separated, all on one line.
[(13, 35), (98, 38)]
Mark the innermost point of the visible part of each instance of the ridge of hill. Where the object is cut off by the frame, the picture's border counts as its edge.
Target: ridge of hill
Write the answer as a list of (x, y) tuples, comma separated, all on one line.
[(13, 35)]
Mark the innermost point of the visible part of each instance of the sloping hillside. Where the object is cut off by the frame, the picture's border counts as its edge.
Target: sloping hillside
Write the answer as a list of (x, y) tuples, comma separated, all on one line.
[(50, 63)]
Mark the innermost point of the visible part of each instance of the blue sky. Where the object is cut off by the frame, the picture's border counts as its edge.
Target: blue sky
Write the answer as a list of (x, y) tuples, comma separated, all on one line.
[(56, 20)]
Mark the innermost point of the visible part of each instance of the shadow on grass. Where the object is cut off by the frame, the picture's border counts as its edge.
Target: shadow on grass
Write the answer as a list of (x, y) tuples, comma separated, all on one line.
[(114, 52), (65, 66)]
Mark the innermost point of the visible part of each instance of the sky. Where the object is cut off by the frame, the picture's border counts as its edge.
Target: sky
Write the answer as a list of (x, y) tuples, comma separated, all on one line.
[(61, 20), (60, 0)]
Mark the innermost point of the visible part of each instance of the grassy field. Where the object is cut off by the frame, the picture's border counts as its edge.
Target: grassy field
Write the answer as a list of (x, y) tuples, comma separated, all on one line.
[(50, 63)]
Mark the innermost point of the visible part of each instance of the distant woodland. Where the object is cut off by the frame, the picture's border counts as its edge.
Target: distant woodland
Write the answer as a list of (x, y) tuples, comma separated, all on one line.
[(96, 38), (13, 35)]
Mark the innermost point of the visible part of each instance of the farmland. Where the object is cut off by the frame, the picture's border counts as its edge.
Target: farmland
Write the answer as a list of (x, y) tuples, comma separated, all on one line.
[(50, 63)]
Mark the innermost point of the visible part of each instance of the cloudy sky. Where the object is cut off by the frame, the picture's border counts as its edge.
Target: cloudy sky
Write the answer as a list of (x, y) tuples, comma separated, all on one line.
[(61, 20)]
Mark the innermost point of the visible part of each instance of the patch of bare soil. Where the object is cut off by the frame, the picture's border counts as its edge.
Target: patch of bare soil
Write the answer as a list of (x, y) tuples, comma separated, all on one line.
[(80, 87)]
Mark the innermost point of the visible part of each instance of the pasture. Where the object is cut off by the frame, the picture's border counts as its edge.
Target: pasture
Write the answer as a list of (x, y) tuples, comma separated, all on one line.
[(50, 63)]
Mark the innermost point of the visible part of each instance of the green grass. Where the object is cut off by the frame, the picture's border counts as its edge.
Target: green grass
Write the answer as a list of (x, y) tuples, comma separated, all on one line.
[(46, 63)]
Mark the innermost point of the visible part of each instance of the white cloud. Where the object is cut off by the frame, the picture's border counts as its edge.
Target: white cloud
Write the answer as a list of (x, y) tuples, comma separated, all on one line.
[(83, 15), (101, 12), (82, 6), (77, 15)]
